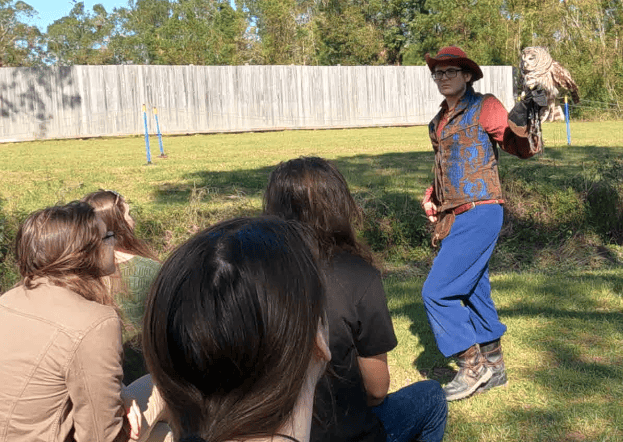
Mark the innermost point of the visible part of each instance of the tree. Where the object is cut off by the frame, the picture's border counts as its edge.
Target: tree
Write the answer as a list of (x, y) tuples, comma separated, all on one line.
[(477, 26), (280, 31), (347, 37), (81, 37), (19, 42), (200, 32)]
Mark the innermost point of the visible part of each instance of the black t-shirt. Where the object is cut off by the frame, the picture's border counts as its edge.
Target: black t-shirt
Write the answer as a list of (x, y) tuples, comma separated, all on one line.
[(359, 325)]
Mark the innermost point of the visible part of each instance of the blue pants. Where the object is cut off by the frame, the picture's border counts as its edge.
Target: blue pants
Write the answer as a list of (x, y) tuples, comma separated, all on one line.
[(417, 412), (457, 293)]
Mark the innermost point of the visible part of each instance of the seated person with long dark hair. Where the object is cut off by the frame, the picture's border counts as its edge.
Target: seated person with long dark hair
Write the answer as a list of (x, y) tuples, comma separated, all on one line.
[(234, 333), (60, 337), (354, 404)]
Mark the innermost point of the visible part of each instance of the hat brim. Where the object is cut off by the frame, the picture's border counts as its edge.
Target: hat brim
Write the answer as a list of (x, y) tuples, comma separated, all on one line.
[(462, 62)]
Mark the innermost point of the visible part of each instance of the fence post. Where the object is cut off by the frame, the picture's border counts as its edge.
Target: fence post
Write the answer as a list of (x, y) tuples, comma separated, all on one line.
[(162, 154), (567, 120), (146, 135)]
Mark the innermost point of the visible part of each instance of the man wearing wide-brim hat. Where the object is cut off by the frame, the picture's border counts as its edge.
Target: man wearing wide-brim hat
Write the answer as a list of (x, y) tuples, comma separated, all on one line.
[(465, 204)]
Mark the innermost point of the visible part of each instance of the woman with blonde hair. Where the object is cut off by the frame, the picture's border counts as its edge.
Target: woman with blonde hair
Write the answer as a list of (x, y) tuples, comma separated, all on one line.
[(60, 337)]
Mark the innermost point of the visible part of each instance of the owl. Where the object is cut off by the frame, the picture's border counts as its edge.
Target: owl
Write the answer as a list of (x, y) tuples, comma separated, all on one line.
[(538, 69)]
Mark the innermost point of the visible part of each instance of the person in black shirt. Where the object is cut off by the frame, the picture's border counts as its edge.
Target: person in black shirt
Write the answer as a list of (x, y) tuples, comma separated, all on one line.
[(353, 405)]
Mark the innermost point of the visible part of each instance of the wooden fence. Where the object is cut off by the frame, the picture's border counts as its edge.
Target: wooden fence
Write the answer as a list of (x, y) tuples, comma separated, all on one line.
[(92, 101)]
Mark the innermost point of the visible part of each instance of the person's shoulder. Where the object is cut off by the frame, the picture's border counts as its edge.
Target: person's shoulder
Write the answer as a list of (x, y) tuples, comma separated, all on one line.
[(347, 266), (57, 306), (144, 262), (346, 259), (491, 101)]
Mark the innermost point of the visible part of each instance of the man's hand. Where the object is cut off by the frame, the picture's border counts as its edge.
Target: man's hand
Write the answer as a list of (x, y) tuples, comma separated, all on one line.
[(429, 207)]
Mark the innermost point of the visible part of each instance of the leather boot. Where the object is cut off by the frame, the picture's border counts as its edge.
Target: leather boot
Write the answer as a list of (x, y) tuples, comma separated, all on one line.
[(473, 372), (494, 359)]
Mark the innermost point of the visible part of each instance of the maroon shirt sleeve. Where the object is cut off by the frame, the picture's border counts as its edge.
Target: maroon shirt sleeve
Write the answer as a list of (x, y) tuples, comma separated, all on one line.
[(494, 120)]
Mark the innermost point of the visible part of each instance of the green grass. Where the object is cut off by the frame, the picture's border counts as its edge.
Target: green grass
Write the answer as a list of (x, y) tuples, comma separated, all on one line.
[(562, 352), (557, 276)]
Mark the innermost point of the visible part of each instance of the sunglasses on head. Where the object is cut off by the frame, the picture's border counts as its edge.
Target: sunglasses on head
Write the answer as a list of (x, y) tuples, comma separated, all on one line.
[(114, 192)]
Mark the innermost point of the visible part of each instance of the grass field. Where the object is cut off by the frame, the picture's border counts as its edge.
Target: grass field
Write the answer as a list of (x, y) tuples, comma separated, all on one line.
[(557, 274)]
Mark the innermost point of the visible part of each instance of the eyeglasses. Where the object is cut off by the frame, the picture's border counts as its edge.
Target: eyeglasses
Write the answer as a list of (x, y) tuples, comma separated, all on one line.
[(110, 236), (449, 73)]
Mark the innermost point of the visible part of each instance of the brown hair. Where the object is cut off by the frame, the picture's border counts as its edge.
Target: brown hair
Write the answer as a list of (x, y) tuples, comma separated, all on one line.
[(230, 328), (63, 244), (109, 206), (313, 191)]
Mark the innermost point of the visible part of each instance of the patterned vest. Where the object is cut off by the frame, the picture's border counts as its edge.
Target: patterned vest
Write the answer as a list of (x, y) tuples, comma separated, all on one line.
[(466, 158)]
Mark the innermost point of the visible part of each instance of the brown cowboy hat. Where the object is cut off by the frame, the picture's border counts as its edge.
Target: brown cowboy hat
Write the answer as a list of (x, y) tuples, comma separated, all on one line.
[(455, 56)]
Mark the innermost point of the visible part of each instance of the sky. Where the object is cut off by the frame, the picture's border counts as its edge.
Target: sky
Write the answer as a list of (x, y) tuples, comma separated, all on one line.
[(51, 10)]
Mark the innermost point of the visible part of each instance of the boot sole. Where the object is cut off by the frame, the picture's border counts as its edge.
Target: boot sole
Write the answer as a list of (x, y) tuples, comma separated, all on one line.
[(486, 387), (467, 393)]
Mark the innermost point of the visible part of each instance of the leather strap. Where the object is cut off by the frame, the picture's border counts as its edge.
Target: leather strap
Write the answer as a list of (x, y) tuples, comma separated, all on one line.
[(468, 206)]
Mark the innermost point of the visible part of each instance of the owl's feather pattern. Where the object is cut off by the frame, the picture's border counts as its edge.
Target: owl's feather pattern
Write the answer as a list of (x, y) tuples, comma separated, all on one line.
[(540, 70)]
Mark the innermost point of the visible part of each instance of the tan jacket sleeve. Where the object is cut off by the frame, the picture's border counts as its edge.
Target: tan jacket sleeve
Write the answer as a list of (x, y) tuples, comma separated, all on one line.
[(94, 381)]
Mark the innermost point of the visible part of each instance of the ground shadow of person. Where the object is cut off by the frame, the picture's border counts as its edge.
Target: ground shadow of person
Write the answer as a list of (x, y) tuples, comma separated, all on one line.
[(430, 363)]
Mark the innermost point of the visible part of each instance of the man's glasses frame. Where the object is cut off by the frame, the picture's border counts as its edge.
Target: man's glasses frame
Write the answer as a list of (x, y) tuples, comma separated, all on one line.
[(449, 73)]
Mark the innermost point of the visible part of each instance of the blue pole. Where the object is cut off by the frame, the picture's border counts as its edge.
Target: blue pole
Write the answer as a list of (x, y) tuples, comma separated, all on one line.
[(567, 118), (162, 155), (146, 135)]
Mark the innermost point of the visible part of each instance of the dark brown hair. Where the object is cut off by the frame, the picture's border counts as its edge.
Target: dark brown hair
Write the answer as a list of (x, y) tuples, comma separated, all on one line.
[(313, 191), (63, 244), (230, 328), (109, 207)]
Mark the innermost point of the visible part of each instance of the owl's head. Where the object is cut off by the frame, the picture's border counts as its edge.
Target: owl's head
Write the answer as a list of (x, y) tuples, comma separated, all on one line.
[(535, 58)]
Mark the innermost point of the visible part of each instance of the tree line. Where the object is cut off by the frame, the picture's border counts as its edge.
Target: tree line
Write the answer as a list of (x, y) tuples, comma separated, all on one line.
[(583, 35)]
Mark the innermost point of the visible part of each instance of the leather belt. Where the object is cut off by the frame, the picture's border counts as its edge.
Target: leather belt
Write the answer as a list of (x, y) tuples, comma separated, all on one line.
[(468, 206)]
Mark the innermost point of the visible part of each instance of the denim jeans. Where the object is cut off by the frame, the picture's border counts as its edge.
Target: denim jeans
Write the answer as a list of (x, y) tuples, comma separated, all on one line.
[(416, 412)]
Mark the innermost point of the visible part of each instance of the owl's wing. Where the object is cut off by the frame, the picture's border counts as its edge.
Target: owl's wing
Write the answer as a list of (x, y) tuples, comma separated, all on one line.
[(562, 78)]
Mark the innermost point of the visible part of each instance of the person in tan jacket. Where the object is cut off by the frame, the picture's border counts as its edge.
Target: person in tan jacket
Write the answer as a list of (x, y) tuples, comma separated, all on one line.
[(60, 339)]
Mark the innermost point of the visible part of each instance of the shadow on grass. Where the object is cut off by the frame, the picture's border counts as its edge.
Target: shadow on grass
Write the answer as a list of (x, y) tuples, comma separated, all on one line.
[(576, 341), (565, 191), (362, 171), (430, 363)]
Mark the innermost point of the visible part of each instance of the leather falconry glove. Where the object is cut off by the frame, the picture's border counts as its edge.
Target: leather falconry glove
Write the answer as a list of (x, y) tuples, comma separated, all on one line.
[(527, 108)]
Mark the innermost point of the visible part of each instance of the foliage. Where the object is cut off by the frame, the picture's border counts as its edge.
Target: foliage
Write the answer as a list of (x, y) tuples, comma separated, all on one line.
[(475, 26), (80, 38), (19, 42), (348, 38), (280, 32), (8, 230)]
